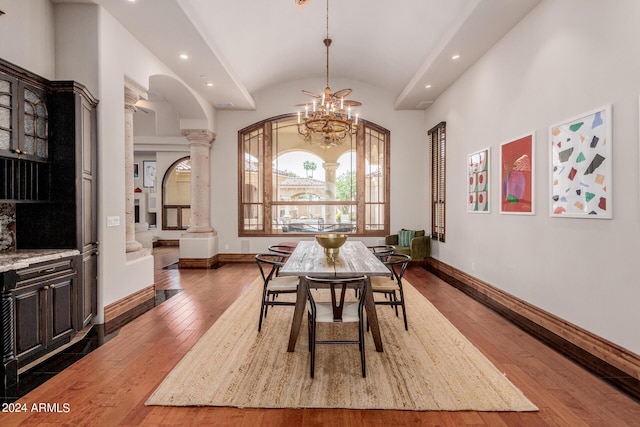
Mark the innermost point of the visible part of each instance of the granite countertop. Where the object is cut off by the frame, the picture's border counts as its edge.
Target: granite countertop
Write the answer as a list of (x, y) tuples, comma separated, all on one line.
[(25, 257)]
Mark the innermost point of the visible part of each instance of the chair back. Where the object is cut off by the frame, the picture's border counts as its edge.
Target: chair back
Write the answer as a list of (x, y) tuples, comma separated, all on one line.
[(397, 263), (284, 250), (381, 250), (338, 289), (268, 264)]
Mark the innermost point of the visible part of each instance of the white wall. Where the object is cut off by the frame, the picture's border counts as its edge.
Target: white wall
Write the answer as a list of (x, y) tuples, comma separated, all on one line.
[(408, 157), (27, 35), (565, 58)]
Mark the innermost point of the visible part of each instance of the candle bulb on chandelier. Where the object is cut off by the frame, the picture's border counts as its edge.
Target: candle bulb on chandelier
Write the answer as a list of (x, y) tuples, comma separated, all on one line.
[(298, 117), (314, 105), (357, 115), (349, 113), (306, 111), (342, 103)]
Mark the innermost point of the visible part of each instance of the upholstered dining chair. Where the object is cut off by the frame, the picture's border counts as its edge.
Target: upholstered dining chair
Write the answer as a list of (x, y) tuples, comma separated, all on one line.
[(273, 285), (335, 310), (391, 287)]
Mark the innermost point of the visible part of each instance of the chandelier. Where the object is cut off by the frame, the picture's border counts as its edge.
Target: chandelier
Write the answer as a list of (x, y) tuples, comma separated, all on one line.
[(328, 122)]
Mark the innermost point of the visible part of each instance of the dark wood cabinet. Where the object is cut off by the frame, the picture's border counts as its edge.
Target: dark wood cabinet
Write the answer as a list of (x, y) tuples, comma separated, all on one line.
[(24, 116), (39, 306), (24, 137), (44, 311), (69, 219)]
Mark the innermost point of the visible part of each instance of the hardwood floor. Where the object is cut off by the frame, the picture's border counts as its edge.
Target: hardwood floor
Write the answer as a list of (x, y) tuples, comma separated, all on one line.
[(110, 385)]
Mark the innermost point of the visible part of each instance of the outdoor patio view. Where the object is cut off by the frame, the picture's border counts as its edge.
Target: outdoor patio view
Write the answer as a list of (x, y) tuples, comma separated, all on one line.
[(292, 186)]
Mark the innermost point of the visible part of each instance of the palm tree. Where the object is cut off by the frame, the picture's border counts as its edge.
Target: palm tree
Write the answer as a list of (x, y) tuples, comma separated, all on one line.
[(309, 166)]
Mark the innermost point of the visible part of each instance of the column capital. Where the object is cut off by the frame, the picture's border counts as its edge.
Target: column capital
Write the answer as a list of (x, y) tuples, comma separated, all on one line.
[(330, 166), (132, 94), (199, 136)]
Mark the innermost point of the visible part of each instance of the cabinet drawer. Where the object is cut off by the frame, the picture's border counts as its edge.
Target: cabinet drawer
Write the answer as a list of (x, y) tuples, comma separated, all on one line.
[(44, 270)]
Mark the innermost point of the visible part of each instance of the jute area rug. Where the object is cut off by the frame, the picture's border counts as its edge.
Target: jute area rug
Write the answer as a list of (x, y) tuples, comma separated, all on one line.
[(430, 367)]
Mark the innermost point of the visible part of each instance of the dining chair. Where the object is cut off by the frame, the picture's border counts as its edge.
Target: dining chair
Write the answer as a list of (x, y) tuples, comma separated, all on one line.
[(391, 287), (273, 285), (381, 250), (336, 310)]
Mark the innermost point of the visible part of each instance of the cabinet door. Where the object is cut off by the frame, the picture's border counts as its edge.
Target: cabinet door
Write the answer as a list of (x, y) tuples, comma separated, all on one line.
[(88, 172), (34, 120), (87, 288), (8, 114), (30, 315), (61, 297)]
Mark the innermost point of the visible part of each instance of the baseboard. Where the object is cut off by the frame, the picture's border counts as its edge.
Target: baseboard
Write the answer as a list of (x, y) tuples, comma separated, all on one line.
[(174, 242), (224, 258), (613, 363), (211, 262), (123, 311)]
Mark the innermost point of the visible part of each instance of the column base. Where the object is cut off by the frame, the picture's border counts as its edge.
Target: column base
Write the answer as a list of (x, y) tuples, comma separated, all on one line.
[(133, 246), (198, 250)]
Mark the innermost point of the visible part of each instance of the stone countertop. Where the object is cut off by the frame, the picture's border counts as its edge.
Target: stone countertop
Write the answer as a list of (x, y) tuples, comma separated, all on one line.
[(23, 258)]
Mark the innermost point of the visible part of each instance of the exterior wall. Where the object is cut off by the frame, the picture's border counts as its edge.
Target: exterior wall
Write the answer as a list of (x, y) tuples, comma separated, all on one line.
[(565, 58)]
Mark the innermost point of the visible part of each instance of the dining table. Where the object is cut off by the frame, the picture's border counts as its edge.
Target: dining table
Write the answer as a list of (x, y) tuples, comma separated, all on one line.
[(353, 259)]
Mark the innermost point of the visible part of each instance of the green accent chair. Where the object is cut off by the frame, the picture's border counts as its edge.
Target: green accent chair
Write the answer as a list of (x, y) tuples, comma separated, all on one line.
[(410, 242)]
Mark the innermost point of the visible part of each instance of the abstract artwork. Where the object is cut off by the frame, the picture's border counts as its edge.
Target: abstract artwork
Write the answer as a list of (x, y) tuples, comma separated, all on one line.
[(478, 181), (516, 176), (581, 166)]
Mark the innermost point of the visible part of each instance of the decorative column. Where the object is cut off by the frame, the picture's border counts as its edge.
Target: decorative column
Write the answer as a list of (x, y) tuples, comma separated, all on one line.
[(199, 147), (131, 96), (330, 191), (199, 245)]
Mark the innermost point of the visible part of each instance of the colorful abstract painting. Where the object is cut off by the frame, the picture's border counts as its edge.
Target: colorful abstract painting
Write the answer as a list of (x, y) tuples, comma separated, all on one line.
[(478, 181), (516, 176), (581, 166)]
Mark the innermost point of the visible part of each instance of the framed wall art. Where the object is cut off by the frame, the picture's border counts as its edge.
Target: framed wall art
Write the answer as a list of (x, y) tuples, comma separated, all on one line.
[(516, 176), (478, 181), (148, 173), (581, 168)]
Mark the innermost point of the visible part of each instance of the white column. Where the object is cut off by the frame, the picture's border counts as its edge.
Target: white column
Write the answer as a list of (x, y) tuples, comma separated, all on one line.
[(131, 96), (199, 147), (330, 191)]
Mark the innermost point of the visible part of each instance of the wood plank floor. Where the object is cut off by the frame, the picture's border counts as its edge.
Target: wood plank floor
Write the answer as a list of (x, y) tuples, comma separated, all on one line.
[(110, 385)]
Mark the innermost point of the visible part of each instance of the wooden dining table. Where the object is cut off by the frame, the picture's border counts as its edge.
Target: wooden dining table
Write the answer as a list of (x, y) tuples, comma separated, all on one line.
[(353, 259)]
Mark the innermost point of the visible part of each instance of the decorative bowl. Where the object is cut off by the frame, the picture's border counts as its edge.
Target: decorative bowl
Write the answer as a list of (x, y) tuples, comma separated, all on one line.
[(331, 242)]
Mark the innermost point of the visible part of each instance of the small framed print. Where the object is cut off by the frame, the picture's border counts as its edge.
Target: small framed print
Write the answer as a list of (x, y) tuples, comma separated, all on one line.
[(149, 173), (478, 181), (516, 176)]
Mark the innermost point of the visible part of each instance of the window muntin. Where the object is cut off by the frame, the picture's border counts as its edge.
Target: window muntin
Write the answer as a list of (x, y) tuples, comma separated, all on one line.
[(340, 189)]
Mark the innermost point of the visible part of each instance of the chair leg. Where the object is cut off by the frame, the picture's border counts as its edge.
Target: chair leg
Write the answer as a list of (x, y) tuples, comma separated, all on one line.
[(404, 310), (361, 345), (262, 309), (312, 344)]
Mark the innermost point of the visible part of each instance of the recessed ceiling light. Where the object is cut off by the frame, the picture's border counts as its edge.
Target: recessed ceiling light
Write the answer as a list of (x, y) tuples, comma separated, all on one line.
[(209, 84), (132, 1), (456, 56), (184, 56), (427, 87)]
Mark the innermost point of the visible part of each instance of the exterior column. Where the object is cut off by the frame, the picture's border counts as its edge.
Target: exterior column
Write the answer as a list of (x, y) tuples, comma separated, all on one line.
[(199, 146), (131, 96), (330, 191)]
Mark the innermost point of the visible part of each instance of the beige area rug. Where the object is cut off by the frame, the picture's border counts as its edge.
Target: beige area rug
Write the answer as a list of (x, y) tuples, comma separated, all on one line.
[(430, 367)]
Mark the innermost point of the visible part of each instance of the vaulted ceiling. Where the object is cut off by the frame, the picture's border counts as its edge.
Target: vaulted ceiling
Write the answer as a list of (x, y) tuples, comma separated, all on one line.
[(240, 47)]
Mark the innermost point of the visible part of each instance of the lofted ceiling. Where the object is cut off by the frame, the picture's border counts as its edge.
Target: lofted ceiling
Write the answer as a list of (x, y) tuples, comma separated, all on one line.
[(242, 47)]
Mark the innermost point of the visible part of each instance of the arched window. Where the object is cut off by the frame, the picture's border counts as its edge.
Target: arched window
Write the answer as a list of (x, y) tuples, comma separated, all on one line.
[(176, 196), (287, 185)]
